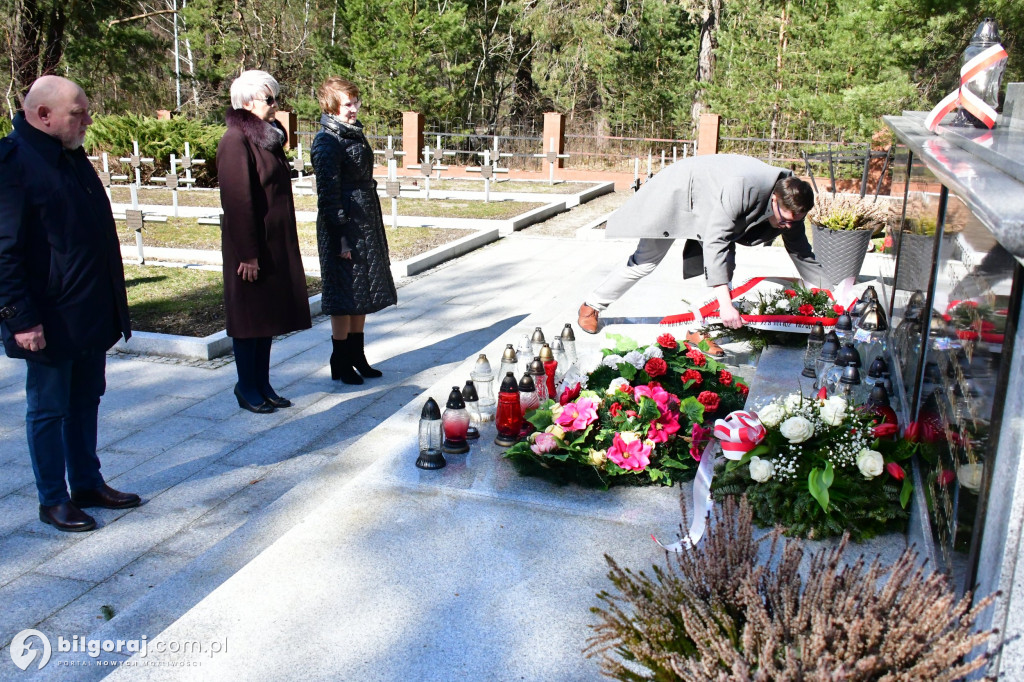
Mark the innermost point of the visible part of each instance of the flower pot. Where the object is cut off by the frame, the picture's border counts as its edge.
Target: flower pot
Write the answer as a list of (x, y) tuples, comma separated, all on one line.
[(840, 252), (914, 267)]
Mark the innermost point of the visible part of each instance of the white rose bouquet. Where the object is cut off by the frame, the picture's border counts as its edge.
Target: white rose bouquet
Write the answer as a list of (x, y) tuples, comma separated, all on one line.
[(822, 469)]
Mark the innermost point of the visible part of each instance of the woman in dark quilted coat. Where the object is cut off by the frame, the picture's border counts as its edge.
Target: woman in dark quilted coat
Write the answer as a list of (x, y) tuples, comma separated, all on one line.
[(264, 283), (354, 260)]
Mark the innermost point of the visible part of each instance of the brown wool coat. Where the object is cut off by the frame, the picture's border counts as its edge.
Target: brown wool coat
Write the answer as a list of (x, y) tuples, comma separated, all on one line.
[(259, 222)]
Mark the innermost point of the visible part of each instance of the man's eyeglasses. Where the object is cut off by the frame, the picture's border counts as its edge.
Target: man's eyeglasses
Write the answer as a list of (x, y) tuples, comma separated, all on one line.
[(270, 100), (784, 222)]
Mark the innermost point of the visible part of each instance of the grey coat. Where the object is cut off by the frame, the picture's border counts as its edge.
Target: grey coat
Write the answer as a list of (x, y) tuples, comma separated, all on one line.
[(714, 202)]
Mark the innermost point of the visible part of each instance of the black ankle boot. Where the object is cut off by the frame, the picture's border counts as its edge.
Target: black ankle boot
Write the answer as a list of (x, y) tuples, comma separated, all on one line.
[(356, 341), (341, 363)]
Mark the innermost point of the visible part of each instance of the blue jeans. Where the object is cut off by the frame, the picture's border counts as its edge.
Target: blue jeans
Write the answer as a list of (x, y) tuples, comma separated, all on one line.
[(63, 406)]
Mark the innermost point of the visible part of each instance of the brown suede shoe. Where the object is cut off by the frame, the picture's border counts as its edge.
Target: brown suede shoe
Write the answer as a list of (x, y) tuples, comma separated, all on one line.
[(588, 321), (105, 497), (714, 350), (66, 517)]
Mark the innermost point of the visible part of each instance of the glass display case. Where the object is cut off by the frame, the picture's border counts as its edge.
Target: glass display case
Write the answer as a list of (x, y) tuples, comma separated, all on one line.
[(953, 278)]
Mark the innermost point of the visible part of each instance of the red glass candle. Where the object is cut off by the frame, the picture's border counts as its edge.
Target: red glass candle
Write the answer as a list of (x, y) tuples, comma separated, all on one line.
[(509, 417)]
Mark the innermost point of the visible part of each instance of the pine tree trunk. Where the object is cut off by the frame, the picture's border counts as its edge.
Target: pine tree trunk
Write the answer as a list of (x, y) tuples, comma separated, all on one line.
[(712, 11)]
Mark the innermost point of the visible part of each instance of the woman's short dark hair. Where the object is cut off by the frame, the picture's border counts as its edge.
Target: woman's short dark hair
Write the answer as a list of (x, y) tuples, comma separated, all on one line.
[(794, 195), (330, 93)]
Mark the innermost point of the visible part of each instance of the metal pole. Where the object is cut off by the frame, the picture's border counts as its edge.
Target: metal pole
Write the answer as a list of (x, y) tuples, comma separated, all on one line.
[(177, 60)]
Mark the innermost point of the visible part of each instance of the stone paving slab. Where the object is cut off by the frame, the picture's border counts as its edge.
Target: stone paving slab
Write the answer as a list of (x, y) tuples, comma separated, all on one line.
[(212, 511)]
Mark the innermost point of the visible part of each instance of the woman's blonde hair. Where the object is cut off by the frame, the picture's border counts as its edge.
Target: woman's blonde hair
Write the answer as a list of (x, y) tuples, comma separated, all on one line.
[(252, 85), (330, 93)]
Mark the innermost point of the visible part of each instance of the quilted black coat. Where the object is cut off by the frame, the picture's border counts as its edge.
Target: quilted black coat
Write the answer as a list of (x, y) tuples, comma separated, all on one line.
[(349, 218)]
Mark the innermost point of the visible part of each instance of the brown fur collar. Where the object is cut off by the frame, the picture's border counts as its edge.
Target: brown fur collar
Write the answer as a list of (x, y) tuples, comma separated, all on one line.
[(257, 131)]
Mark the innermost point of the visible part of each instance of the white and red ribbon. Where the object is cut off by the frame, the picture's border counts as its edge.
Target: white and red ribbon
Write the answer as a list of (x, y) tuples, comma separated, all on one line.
[(963, 96), (739, 432)]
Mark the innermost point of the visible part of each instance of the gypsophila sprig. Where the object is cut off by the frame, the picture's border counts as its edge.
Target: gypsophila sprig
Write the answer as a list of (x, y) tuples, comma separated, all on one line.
[(822, 469)]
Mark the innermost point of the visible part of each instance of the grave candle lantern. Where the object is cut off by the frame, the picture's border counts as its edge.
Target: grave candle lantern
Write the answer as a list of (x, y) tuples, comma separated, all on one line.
[(849, 384), (455, 422), (829, 350), (472, 401), (861, 305), (985, 84), (430, 437), (569, 342), (537, 340), (562, 360), (528, 399), (509, 363), (871, 334), (483, 381), (846, 357), (878, 404), (844, 328), (539, 378), (509, 418), (815, 340), (550, 368)]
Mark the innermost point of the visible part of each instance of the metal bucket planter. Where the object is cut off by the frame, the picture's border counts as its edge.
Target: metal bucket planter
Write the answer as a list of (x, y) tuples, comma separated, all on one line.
[(840, 252)]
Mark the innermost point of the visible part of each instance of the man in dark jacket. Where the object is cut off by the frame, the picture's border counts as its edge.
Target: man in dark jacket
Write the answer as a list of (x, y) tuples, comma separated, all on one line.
[(62, 296)]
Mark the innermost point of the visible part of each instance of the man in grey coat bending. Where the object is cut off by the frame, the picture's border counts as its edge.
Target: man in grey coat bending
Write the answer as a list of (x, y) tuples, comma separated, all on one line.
[(713, 202)]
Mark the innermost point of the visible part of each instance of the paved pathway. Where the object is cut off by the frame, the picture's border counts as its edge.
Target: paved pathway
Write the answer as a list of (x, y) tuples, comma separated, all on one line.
[(306, 538)]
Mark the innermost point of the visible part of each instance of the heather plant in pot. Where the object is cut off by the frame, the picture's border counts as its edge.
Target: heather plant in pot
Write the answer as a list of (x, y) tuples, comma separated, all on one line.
[(842, 226)]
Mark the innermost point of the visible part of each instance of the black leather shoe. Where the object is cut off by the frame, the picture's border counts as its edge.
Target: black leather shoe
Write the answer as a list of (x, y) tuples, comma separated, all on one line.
[(262, 408), (105, 497), (277, 401), (66, 517)]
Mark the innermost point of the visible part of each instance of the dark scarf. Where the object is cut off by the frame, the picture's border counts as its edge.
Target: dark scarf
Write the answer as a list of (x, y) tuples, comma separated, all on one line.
[(335, 125), (256, 130)]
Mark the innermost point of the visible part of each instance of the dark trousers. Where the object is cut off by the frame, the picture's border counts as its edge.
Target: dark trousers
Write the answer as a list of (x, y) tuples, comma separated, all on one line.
[(252, 362), (63, 406)]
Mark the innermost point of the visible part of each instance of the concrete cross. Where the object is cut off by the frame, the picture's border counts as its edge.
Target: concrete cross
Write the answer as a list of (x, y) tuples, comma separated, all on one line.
[(299, 164)]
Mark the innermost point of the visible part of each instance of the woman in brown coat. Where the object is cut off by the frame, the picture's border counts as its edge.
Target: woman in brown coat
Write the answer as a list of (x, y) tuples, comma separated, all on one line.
[(264, 282)]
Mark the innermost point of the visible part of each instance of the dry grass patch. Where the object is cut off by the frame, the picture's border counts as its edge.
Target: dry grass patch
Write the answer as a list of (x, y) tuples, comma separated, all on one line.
[(187, 233), (184, 301)]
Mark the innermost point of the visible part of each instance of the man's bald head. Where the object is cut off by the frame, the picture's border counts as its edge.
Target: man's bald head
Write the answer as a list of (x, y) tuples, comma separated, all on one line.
[(59, 108)]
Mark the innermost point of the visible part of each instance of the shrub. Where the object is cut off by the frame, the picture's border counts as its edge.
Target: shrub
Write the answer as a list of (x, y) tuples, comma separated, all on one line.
[(717, 613), (158, 139), (5, 126)]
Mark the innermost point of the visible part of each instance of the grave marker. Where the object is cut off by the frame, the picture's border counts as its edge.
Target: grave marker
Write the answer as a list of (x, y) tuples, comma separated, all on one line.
[(135, 161), (427, 168), (389, 152), (105, 177), (171, 181), (187, 162), (552, 158), (136, 220), (486, 171), (299, 163)]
